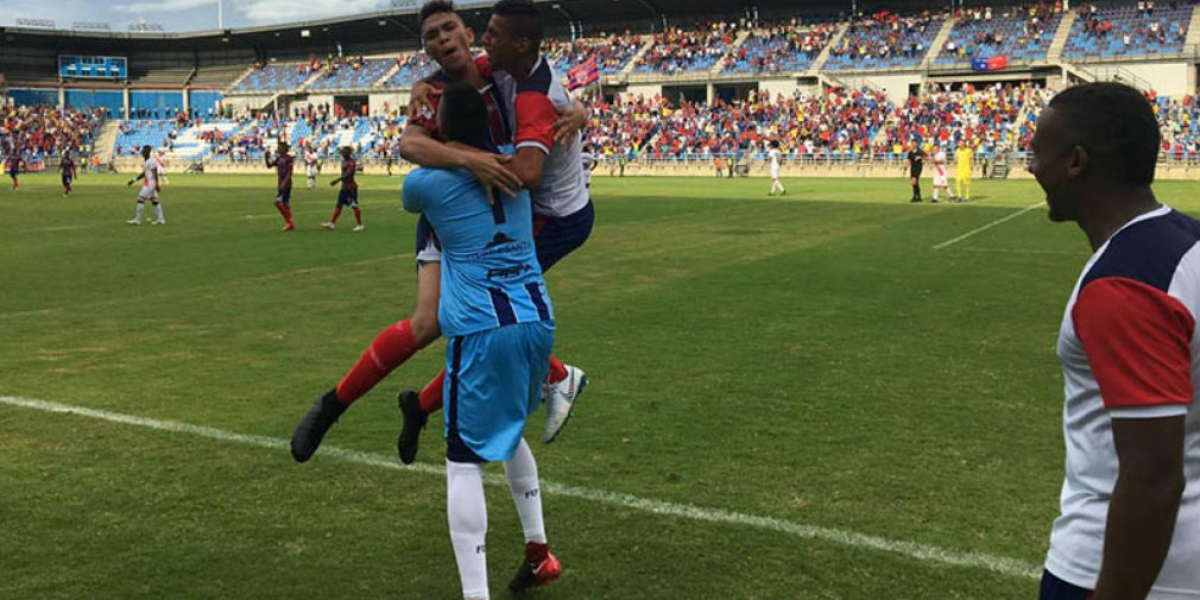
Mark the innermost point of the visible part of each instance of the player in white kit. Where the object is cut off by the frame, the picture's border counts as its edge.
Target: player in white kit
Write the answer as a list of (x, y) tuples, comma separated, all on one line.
[(149, 191), (310, 166), (775, 156), (941, 178)]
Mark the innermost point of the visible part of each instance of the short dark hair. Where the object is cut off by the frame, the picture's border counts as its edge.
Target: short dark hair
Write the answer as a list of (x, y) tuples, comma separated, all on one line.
[(525, 18), (436, 7), (464, 117), (1117, 126)]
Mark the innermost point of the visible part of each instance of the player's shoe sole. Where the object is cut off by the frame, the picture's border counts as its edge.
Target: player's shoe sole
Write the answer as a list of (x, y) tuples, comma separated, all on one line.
[(311, 429), (329, 226), (409, 439), (530, 575), (560, 402)]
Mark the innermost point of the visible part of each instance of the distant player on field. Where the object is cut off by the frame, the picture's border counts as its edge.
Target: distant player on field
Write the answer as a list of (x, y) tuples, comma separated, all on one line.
[(941, 178), (590, 161), (498, 320), (150, 189), (12, 166), (962, 175), (161, 157), (67, 168), (284, 164), (310, 167), (348, 196), (774, 155)]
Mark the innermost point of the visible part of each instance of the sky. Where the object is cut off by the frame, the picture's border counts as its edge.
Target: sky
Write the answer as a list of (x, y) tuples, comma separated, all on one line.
[(182, 15)]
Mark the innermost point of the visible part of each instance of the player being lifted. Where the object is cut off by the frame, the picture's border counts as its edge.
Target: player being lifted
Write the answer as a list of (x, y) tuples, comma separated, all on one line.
[(775, 155), (283, 163), (67, 168), (348, 196), (447, 41), (149, 191)]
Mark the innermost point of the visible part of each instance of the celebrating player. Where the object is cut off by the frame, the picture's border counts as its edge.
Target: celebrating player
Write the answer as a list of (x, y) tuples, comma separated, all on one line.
[(498, 319), (348, 196), (149, 191), (284, 164), (447, 41)]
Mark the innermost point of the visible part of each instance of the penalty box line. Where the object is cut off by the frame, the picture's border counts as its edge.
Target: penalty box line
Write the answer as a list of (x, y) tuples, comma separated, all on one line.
[(921, 552), (999, 221)]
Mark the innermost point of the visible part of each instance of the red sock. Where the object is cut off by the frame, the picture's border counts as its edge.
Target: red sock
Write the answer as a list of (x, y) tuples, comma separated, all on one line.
[(283, 210), (431, 394), (287, 211), (388, 350), (337, 212), (557, 372), (357, 215), (536, 553)]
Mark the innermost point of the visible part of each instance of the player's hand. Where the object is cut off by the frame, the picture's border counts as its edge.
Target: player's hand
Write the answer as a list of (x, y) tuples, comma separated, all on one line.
[(569, 122), (333, 183), (130, 182), (420, 96), (492, 172)]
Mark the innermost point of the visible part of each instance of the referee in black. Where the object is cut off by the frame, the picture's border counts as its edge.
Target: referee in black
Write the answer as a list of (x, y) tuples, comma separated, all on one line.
[(916, 162)]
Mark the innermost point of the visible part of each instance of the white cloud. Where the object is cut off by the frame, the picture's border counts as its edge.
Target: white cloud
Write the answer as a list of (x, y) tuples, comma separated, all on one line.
[(165, 6), (282, 11)]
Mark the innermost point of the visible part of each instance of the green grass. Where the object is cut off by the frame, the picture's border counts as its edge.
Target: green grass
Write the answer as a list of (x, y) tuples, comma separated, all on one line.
[(810, 359)]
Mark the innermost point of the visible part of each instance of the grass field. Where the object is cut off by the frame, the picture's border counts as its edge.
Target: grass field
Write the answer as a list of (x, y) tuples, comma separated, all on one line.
[(790, 398)]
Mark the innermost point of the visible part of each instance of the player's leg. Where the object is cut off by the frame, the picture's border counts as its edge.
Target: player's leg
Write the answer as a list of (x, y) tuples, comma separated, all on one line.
[(337, 211), (353, 200), (966, 187), (390, 348), (158, 211), (137, 215), (283, 205), (466, 513)]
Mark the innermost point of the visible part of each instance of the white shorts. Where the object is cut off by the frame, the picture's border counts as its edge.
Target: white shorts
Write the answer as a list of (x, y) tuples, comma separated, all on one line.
[(774, 174), (148, 194), (940, 180), (312, 172)]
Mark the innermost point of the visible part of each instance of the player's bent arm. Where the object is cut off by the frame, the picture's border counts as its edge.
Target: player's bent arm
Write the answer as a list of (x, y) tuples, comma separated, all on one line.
[(527, 164), (424, 319), (417, 146), (1144, 505)]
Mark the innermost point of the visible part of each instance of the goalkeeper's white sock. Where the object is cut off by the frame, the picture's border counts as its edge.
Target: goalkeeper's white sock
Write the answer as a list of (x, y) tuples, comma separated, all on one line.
[(137, 216), (466, 510), (158, 213), (522, 474)]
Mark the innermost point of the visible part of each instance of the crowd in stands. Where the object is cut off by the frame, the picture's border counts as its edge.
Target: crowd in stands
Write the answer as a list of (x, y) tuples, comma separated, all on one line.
[(885, 39), (612, 52), (1129, 29), (781, 47), (37, 132), (988, 118), (1019, 33), (677, 50)]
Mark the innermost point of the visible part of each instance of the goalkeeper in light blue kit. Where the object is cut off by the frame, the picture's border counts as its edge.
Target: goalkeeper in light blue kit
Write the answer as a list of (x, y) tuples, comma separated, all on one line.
[(497, 317)]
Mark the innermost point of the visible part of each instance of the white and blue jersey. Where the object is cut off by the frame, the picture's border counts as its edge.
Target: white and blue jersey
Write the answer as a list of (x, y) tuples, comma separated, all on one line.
[(493, 307)]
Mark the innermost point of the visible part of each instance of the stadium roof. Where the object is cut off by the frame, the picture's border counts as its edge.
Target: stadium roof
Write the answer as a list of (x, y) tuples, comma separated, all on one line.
[(398, 28)]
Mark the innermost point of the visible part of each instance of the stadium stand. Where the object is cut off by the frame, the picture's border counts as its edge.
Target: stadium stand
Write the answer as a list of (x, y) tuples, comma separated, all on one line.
[(612, 53), (45, 131), (275, 77), (411, 67), (1019, 34), (779, 48), (675, 50), (1127, 29), (885, 40), (355, 73)]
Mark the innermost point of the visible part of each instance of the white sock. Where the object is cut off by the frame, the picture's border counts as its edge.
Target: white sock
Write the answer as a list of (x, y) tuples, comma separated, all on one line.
[(466, 509), (158, 211), (138, 215), (521, 471), (935, 193)]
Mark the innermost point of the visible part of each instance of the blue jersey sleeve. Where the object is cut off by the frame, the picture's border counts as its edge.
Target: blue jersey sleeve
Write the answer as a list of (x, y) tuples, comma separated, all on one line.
[(412, 193)]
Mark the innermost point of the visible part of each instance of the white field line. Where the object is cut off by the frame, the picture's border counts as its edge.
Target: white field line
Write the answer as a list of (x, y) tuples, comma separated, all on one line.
[(921, 552), (988, 226)]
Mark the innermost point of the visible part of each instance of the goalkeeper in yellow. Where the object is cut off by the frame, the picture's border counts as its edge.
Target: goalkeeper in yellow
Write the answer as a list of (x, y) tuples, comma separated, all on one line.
[(962, 178)]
